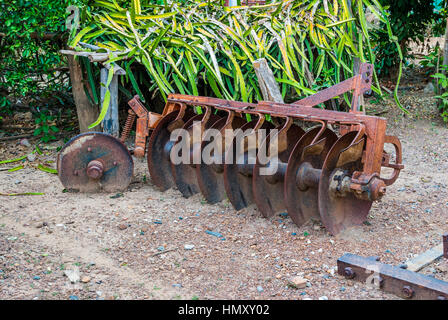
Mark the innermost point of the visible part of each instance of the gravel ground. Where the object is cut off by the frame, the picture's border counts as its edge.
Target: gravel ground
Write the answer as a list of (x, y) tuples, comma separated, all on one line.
[(147, 244)]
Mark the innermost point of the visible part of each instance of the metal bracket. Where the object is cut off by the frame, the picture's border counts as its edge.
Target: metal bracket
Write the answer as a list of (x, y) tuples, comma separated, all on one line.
[(145, 121)]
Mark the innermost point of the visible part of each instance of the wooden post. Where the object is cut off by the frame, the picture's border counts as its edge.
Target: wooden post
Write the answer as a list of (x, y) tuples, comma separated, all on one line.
[(87, 112), (266, 81), (110, 122)]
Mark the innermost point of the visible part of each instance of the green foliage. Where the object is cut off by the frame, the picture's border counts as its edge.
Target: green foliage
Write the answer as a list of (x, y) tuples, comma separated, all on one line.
[(430, 60), (31, 34), (409, 20), (46, 126), (203, 48), (442, 80), (27, 57)]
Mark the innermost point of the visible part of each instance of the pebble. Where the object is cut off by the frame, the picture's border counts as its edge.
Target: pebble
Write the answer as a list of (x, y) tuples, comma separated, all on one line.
[(36, 278), (297, 282), (85, 279), (25, 142), (213, 233), (31, 157), (122, 226), (260, 289), (189, 247), (323, 298)]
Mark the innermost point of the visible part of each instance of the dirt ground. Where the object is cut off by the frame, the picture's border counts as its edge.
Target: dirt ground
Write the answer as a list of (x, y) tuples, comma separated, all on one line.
[(140, 245)]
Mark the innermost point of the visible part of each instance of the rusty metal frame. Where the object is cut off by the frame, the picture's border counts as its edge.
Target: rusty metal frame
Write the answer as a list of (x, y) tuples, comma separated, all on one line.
[(369, 127), (404, 283)]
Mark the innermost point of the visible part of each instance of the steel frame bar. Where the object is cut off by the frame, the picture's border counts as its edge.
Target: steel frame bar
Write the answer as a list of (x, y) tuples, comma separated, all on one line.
[(404, 283)]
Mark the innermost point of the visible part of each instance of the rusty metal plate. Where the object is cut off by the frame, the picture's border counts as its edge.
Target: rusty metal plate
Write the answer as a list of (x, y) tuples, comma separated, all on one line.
[(159, 144), (268, 191), (210, 176), (401, 282), (185, 174), (340, 212), (302, 205), (238, 177), (95, 162)]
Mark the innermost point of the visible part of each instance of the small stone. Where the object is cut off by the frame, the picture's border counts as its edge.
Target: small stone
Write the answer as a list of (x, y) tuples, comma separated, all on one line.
[(25, 142), (323, 298), (31, 157), (189, 247), (85, 279), (297, 283), (36, 278), (122, 226), (260, 289), (429, 88)]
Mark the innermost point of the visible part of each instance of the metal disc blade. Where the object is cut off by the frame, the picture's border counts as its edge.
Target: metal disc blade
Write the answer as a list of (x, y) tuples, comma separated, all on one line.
[(302, 206), (268, 194), (159, 144), (185, 174), (238, 185), (338, 213), (210, 176), (115, 163)]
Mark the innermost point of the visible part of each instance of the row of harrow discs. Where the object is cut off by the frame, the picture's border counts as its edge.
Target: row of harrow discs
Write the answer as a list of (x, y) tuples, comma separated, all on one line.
[(320, 174)]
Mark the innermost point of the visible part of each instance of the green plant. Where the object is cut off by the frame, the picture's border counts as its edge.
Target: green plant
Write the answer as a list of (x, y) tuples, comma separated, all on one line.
[(204, 48), (409, 20), (46, 126), (442, 80), (431, 60), (31, 68)]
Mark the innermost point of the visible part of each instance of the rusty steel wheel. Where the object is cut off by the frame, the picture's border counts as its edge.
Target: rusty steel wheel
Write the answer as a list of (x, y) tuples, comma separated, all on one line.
[(341, 211), (268, 189), (210, 176), (185, 174), (238, 172), (95, 162), (301, 200), (159, 147)]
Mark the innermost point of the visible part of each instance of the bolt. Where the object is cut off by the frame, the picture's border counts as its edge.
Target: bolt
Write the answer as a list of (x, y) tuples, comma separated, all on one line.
[(95, 169), (407, 292), (349, 273)]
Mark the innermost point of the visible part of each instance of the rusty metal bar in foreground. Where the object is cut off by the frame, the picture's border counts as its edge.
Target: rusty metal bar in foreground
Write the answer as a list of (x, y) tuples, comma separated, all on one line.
[(401, 282)]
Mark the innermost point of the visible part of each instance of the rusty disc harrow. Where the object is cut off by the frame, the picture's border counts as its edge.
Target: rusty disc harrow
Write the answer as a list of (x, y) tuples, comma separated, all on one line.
[(330, 171)]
